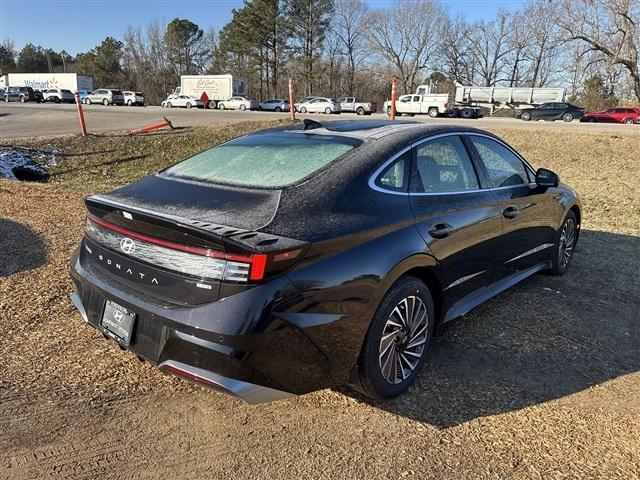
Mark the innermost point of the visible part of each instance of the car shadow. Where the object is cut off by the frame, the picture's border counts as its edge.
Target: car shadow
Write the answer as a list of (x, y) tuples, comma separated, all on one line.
[(21, 248), (544, 339)]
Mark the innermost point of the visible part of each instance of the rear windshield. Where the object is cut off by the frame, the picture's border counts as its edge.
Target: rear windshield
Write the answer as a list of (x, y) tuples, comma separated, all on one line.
[(66, 91), (265, 161)]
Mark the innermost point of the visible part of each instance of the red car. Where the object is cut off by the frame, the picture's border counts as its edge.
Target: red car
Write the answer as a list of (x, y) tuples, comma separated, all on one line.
[(614, 115)]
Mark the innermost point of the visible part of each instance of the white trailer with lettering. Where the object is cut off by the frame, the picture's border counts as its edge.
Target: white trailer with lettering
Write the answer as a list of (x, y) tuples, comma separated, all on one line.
[(217, 87), (44, 81)]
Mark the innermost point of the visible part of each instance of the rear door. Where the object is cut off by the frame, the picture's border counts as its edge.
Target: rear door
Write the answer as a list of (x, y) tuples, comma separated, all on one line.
[(527, 211), (458, 219)]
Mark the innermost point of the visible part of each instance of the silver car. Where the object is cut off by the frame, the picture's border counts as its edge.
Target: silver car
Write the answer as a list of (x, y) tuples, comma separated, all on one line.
[(58, 95), (105, 96), (320, 105), (275, 105), (238, 103), (182, 101)]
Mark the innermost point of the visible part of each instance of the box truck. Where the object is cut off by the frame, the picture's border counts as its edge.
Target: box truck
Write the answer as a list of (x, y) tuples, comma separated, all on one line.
[(44, 81), (217, 87)]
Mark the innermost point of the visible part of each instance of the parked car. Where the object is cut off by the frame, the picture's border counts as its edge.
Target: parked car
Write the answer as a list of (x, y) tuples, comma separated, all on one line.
[(297, 105), (552, 111), (59, 95), (134, 98), (320, 105), (10, 95), (275, 105), (105, 96), (182, 101), (614, 115), (27, 94), (212, 269), (352, 104), (238, 103)]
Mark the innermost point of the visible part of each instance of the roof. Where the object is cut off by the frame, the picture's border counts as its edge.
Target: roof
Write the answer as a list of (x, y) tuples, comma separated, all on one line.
[(367, 129)]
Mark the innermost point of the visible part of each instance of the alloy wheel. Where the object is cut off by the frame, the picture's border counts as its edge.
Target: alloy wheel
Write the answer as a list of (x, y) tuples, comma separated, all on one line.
[(567, 242), (403, 339)]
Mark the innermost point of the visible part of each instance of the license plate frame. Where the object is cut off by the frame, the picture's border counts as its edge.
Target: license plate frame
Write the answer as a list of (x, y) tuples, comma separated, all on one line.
[(118, 322)]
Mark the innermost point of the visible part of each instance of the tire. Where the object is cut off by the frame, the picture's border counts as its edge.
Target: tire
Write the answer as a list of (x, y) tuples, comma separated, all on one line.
[(105, 102), (212, 105), (376, 378), (567, 117), (452, 113), (466, 113), (328, 110), (278, 109), (526, 116), (303, 110), (188, 105), (388, 111), (628, 121), (360, 111), (221, 106), (566, 241), (169, 105), (57, 99), (23, 99), (129, 103), (243, 107), (88, 100), (433, 112)]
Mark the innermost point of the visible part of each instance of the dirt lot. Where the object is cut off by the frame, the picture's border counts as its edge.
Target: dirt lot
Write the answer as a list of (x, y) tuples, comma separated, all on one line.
[(541, 382)]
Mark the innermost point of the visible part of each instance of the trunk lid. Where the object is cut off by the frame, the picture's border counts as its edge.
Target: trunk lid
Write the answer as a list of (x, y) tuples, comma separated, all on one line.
[(184, 242)]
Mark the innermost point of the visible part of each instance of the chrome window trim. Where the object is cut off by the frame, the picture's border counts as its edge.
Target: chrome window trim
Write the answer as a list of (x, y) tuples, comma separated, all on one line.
[(379, 170)]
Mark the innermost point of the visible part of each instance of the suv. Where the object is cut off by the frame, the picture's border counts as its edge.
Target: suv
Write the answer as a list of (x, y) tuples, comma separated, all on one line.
[(105, 96), (134, 98), (22, 94), (58, 95)]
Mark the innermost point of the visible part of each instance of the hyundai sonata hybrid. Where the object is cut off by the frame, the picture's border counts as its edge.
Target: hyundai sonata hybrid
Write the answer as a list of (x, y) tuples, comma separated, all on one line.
[(317, 254)]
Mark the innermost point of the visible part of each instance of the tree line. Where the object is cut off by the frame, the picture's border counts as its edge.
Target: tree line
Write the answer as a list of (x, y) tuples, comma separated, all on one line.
[(344, 47)]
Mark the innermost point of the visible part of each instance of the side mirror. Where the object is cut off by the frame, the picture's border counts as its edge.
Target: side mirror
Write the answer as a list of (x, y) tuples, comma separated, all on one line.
[(547, 178)]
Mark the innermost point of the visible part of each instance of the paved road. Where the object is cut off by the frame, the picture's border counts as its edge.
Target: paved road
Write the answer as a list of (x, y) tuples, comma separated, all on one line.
[(33, 120)]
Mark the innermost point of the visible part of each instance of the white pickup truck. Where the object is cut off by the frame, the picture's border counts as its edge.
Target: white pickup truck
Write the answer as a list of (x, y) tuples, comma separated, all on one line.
[(352, 104), (414, 104)]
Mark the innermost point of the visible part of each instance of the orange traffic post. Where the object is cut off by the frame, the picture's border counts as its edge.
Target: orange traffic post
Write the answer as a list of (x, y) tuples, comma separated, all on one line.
[(151, 128), (292, 108), (394, 95), (83, 126)]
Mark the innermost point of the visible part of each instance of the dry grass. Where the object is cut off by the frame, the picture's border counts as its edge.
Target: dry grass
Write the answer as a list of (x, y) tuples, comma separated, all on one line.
[(541, 382)]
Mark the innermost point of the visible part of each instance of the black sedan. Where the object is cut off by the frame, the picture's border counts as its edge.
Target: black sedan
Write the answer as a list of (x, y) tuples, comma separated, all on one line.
[(552, 111), (314, 255)]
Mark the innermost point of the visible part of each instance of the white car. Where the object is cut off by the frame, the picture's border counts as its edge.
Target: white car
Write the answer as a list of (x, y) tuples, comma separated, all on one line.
[(297, 105), (320, 105), (58, 95), (275, 105), (133, 98), (182, 101), (238, 103)]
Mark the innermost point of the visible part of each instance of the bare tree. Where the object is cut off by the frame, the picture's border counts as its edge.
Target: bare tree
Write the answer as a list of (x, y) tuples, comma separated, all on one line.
[(454, 56), (349, 26), (608, 28), (405, 36), (488, 42)]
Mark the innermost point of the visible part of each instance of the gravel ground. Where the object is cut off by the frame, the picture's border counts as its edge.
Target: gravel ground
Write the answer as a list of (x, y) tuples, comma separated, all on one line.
[(541, 382)]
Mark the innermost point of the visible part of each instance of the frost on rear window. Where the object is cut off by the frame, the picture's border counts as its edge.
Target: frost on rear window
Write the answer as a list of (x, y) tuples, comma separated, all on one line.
[(266, 160)]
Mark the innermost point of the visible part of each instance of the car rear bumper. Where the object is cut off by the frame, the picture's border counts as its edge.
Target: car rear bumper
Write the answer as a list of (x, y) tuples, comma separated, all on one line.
[(256, 344)]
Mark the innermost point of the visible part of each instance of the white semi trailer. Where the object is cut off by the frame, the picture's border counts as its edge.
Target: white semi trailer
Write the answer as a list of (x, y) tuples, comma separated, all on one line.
[(217, 87), (43, 81), (497, 98)]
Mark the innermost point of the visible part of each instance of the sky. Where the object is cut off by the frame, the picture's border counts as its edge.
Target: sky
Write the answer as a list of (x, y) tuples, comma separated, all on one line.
[(79, 25)]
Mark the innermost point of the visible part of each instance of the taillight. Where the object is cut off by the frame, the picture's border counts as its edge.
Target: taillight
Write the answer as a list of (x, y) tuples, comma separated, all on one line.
[(446, 105), (196, 261)]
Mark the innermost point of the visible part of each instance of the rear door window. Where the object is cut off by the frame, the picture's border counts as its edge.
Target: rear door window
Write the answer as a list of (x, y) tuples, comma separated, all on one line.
[(395, 177), (267, 160), (443, 166)]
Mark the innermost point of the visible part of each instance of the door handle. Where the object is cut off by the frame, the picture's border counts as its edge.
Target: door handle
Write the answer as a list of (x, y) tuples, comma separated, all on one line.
[(440, 230), (510, 212)]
